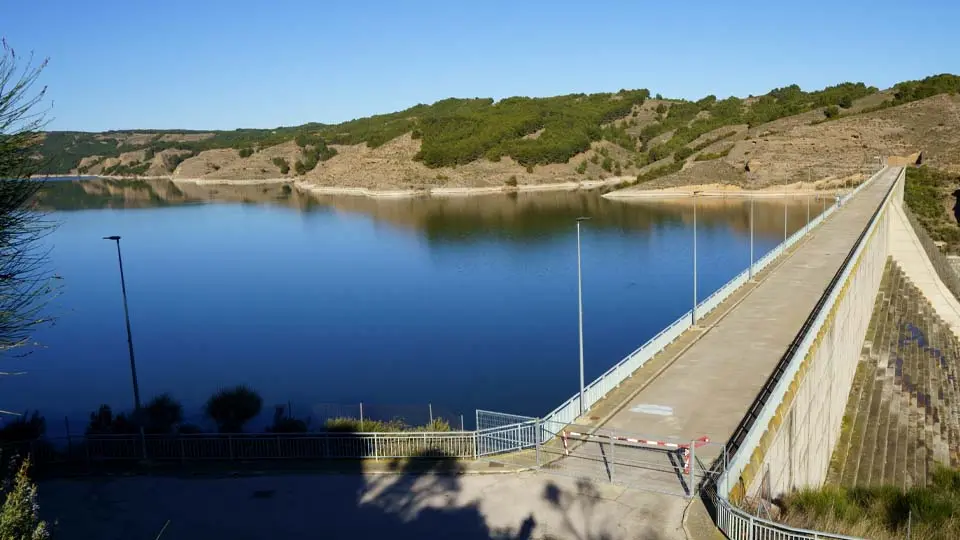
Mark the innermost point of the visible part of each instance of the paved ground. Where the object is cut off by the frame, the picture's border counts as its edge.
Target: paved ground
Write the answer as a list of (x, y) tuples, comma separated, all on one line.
[(906, 249), (513, 505)]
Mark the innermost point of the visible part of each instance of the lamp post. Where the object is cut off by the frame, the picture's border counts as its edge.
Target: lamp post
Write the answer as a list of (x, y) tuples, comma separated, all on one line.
[(580, 310), (693, 313), (126, 316), (751, 237)]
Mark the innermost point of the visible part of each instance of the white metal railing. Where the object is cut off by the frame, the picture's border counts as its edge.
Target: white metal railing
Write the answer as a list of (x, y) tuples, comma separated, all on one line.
[(569, 410), (739, 525), (259, 446)]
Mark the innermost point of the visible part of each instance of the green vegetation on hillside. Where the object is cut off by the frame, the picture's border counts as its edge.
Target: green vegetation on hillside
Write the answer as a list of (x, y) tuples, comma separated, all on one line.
[(532, 131), (881, 512), (690, 120), (929, 193)]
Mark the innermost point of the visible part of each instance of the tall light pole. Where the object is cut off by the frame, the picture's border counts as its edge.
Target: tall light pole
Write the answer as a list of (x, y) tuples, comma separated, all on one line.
[(126, 316), (693, 313), (751, 236), (783, 246), (580, 310)]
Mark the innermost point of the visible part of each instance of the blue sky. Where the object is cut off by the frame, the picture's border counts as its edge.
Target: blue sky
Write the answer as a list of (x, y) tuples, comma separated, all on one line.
[(217, 64)]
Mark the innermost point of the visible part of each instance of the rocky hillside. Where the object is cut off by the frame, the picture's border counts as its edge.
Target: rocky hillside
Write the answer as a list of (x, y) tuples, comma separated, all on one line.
[(786, 135)]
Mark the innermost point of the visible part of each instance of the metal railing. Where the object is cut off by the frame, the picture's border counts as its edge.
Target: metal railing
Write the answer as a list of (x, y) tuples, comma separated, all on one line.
[(739, 525), (939, 261), (260, 446), (499, 433)]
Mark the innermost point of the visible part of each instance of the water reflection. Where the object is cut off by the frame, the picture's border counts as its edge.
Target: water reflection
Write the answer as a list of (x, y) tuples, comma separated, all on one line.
[(508, 217)]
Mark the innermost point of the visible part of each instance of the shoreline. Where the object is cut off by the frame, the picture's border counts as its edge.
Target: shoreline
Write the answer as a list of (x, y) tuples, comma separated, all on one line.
[(725, 191), (721, 191)]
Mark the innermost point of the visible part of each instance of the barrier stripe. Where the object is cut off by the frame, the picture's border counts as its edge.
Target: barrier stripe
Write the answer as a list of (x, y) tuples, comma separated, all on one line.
[(682, 448)]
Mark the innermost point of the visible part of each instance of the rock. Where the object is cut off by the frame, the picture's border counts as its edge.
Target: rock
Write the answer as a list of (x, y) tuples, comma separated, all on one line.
[(752, 165)]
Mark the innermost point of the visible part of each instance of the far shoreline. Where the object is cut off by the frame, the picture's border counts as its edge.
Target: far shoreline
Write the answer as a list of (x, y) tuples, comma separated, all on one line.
[(633, 192)]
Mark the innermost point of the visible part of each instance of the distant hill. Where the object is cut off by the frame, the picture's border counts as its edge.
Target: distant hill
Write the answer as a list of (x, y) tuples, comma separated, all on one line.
[(519, 140)]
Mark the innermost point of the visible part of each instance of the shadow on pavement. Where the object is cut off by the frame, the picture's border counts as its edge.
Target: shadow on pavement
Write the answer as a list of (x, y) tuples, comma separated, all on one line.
[(420, 498)]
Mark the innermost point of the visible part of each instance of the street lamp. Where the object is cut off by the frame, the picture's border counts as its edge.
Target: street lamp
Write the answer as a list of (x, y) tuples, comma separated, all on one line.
[(580, 310), (693, 313), (126, 316), (751, 236)]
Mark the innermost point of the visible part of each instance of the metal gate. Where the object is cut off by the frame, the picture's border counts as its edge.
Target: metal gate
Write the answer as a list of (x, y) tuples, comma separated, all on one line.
[(500, 433), (668, 466)]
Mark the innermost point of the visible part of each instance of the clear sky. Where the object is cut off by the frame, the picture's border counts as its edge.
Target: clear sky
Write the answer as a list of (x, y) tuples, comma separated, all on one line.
[(223, 64)]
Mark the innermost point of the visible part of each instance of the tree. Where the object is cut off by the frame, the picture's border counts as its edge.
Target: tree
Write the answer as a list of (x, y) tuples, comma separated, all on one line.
[(162, 414), (845, 101), (683, 153), (19, 516), (231, 408), (25, 284)]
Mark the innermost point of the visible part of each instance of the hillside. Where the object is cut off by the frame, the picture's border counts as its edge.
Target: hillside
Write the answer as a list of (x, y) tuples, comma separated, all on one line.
[(786, 135)]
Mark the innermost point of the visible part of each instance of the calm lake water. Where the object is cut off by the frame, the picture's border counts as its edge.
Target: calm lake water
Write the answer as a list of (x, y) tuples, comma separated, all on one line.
[(463, 303)]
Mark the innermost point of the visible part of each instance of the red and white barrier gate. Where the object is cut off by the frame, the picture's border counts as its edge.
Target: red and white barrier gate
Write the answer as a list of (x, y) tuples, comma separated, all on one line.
[(682, 448)]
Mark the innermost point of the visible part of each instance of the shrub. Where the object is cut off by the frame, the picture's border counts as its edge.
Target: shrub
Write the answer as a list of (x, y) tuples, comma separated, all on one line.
[(284, 423), (282, 164), (286, 189), (529, 169), (682, 153), (231, 408), (512, 181), (831, 112), (246, 152), (617, 170), (161, 414), (417, 134), (582, 167), (25, 427), (20, 513), (594, 159), (300, 168), (353, 425), (607, 164), (103, 422), (661, 108), (845, 102)]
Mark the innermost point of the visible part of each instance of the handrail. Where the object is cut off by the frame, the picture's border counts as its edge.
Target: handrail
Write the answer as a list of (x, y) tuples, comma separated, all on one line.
[(738, 525)]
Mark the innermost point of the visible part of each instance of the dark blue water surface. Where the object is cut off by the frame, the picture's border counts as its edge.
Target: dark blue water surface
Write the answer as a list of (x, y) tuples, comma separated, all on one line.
[(464, 303)]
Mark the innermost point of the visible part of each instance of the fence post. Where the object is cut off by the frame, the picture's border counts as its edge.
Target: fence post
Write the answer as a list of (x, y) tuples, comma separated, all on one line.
[(279, 451), (536, 440), (430, 408), (519, 437), (613, 457), (230, 446), (476, 426), (726, 480), (750, 531), (361, 416), (376, 453), (183, 454), (693, 469), (461, 423)]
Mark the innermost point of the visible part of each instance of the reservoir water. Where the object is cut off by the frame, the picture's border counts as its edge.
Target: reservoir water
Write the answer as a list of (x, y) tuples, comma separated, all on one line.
[(463, 303)]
